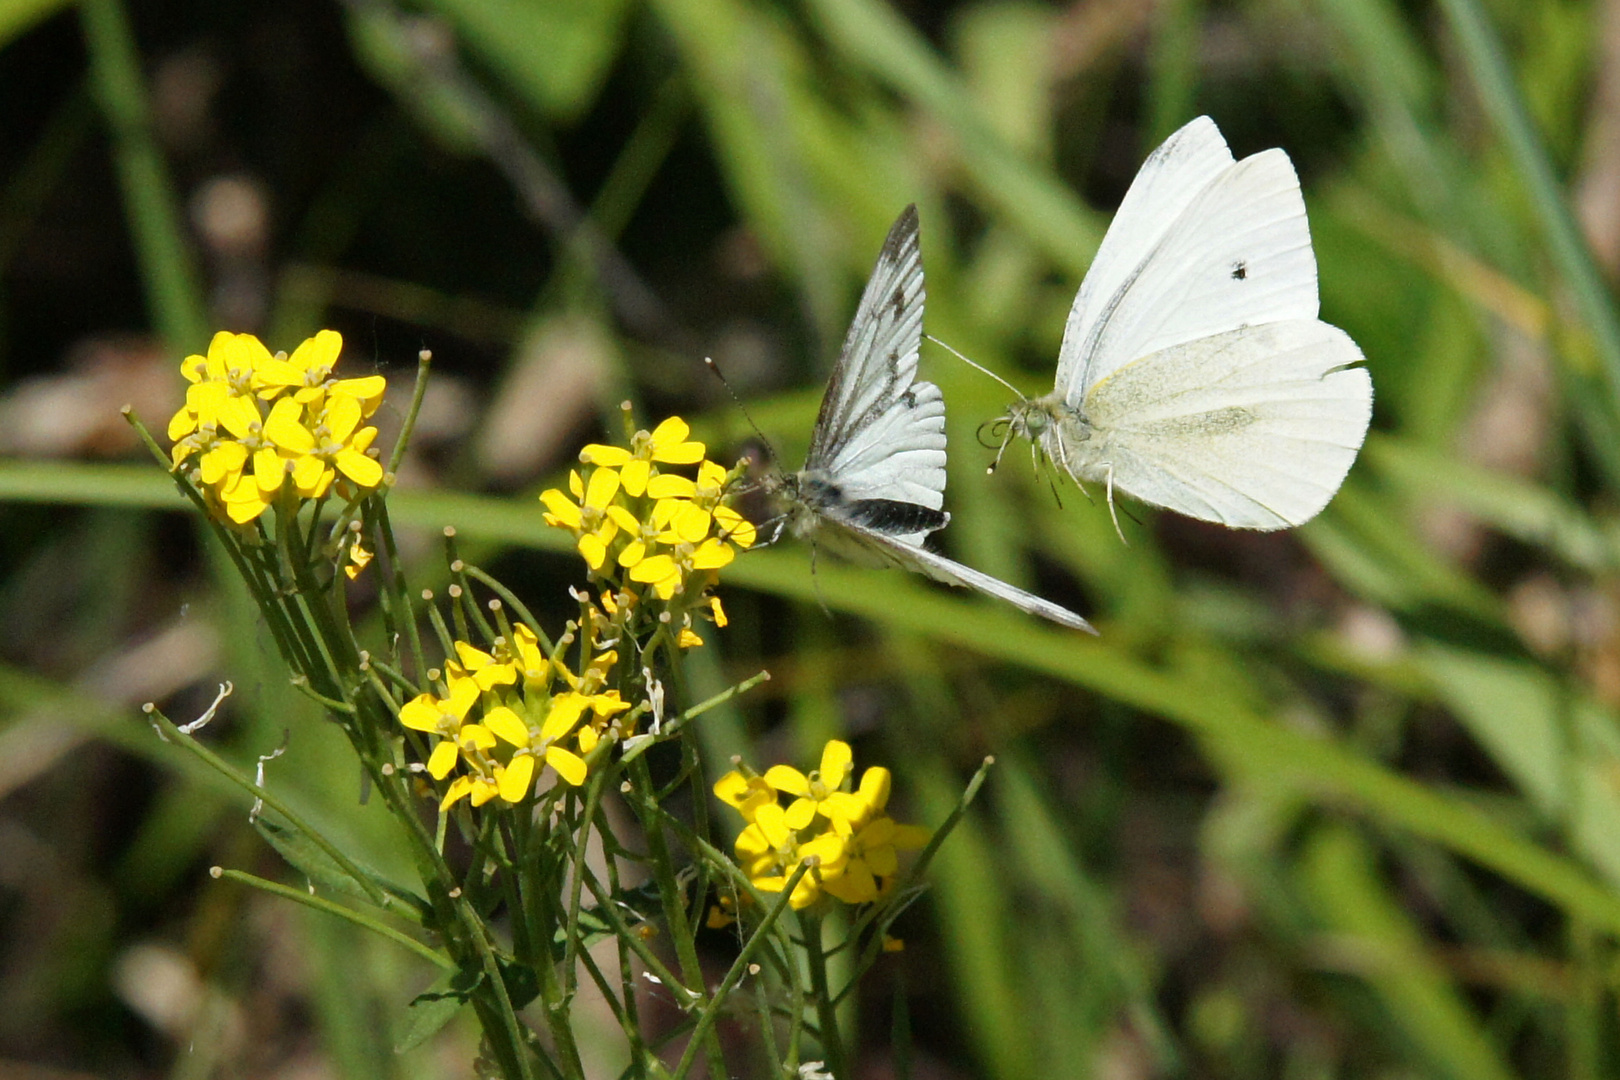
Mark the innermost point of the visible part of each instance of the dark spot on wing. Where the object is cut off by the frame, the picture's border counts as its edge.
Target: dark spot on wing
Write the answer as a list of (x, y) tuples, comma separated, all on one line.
[(899, 302), (910, 398), (1240, 271), (894, 517)]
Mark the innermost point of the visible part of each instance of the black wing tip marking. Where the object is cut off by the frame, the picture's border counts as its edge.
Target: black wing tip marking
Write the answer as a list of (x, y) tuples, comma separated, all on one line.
[(902, 233), (894, 517), (1240, 271)]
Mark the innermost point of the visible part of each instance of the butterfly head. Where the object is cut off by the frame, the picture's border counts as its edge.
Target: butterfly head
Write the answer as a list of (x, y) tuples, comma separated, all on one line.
[(1027, 418)]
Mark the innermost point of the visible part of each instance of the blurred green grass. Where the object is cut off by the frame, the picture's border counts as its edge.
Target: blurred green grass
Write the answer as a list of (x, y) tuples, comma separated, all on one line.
[(1343, 803)]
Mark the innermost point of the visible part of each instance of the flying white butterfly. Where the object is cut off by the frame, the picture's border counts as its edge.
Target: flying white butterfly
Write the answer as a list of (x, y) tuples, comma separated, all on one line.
[(873, 484), (1194, 373)]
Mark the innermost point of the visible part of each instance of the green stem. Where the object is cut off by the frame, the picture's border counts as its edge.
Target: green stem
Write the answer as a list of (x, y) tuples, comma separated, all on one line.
[(739, 968), (832, 1045), (299, 896)]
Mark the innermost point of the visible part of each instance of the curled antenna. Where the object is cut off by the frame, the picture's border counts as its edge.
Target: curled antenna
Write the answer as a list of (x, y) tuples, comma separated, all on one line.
[(770, 452), (976, 365), (996, 429)]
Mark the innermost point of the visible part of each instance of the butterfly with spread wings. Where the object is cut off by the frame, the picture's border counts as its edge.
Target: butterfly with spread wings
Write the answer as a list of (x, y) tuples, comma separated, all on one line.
[(873, 485), (1194, 373)]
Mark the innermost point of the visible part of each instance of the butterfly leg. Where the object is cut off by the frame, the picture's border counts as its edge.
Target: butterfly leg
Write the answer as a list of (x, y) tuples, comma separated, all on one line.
[(776, 525), (816, 581), (1112, 512)]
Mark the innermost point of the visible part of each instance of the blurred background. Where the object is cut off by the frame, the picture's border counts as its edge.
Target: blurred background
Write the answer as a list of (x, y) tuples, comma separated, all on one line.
[(1338, 802)]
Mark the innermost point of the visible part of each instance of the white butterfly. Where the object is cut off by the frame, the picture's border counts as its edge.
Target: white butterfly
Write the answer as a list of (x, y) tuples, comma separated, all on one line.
[(1194, 373), (873, 484)]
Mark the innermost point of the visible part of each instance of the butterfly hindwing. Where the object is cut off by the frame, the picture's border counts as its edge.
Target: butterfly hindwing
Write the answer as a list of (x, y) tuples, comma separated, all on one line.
[(1254, 428)]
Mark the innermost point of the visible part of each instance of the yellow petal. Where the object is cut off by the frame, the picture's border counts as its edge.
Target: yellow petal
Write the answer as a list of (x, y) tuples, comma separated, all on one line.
[(835, 761), (363, 470), (602, 454), (719, 612), (459, 788), (443, 759), (634, 476), (691, 523), (623, 518), (476, 736), (421, 713), (670, 486), (788, 780), (593, 550), (318, 353), (285, 427), (734, 527), (507, 724), (563, 507), (341, 417), (632, 554), (772, 821), (604, 485), (654, 569), (517, 778), (310, 476), (237, 415), (566, 709), (712, 554), (875, 784), (800, 812), (688, 639), (569, 766)]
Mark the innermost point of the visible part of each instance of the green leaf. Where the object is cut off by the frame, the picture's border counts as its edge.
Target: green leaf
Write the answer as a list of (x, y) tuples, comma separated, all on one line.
[(434, 1007), (305, 856)]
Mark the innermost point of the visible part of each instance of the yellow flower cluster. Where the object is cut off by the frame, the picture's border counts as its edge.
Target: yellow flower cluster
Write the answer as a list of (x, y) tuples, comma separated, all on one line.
[(255, 423), (651, 532), (855, 843), (504, 714)]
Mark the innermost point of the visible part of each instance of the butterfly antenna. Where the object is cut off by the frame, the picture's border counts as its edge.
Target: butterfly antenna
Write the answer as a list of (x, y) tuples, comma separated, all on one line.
[(976, 365), (770, 452)]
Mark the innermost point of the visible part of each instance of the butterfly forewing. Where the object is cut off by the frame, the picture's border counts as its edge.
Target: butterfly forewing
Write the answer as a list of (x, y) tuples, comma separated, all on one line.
[(1237, 254), (877, 429), (1168, 181)]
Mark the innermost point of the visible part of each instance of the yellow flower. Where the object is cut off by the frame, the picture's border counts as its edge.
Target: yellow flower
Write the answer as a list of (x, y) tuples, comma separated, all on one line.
[(814, 790), (870, 859), (335, 444), (667, 572), (744, 792), (244, 456), (516, 778), (690, 502), (769, 851), (485, 670), (666, 443), (589, 519), (872, 839), (445, 717), (307, 375), (481, 787)]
